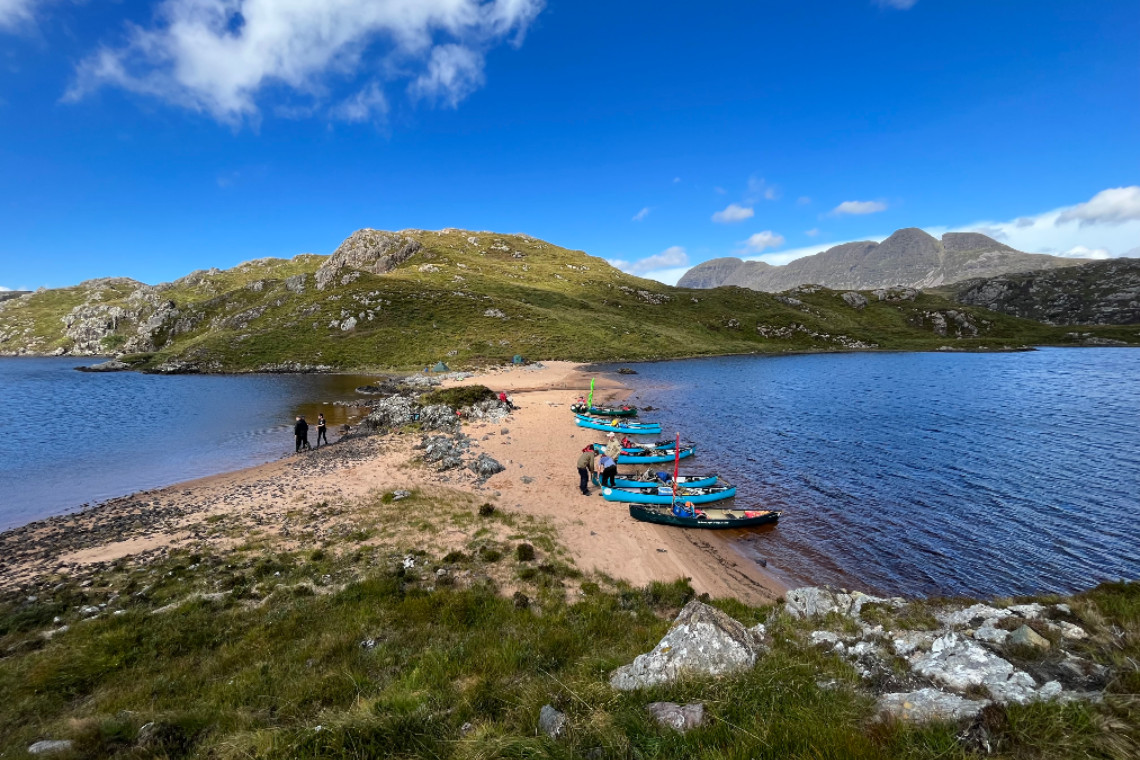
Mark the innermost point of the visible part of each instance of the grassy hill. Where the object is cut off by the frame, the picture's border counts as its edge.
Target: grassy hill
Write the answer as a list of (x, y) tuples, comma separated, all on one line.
[(471, 298)]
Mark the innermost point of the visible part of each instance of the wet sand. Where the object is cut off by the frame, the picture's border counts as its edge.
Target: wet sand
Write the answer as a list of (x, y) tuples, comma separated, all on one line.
[(538, 444)]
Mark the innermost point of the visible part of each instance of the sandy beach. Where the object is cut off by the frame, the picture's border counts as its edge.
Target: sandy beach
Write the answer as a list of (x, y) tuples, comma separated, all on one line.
[(301, 498)]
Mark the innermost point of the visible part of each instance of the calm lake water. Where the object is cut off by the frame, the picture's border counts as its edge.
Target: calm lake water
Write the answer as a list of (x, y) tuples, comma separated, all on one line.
[(974, 474), (70, 438)]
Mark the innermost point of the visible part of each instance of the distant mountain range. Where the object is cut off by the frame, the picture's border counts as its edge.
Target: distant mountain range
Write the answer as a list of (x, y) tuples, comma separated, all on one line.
[(909, 258)]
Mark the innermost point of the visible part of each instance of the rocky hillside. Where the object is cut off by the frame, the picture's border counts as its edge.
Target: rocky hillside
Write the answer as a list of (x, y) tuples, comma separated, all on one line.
[(908, 258), (411, 298), (1100, 293)]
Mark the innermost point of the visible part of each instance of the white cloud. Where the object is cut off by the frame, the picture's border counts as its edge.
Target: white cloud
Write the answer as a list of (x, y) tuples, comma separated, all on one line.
[(761, 240), (1107, 224), (1113, 206), (858, 208), (803, 200), (813, 232), (667, 276), (674, 256), (733, 214), (2, 288), (676, 180), (640, 215), (14, 13), (901, 5), (783, 257), (219, 56)]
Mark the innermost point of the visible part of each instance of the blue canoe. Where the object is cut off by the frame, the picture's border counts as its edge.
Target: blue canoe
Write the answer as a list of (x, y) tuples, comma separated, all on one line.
[(664, 495), (654, 457), (655, 447), (629, 428), (686, 481)]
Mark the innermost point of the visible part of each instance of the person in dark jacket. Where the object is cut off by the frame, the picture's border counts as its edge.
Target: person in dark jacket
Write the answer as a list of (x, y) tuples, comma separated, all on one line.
[(322, 430), (586, 464), (301, 434)]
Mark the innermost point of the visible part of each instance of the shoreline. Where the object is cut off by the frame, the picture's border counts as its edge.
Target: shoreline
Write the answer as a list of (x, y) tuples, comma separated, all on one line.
[(537, 443)]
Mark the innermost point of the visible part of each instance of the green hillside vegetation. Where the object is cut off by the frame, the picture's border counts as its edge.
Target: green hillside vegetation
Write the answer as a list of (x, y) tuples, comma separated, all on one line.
[(473, 299), (343, 651)]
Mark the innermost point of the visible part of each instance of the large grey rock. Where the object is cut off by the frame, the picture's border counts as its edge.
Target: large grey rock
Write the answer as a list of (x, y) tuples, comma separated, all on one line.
[(551, 722), (960, 664), (1027, 637), (855, 300), (394, 411), (816, 601), (677, 717), (703, 641), (367, 251), (485, 466), (50, 747), (927, 705), (962, 618)]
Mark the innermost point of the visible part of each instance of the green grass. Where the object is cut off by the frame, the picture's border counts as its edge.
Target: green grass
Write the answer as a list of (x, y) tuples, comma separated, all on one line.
[(444, 303)]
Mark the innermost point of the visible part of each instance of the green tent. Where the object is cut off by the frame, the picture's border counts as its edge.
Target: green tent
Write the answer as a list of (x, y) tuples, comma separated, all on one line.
[(518, 359), (440, 367)]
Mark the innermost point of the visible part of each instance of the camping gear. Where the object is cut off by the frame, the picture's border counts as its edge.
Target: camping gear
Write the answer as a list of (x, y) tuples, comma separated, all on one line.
[(604, 411), (712, 518), (655, 457), (616, 426), (686, 481)]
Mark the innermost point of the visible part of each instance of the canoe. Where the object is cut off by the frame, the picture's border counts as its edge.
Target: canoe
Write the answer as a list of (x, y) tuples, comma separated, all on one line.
[(605, 411), (713, 518), (664, 495), (615, 426), (654, 457), (686, 481), (640, 447)]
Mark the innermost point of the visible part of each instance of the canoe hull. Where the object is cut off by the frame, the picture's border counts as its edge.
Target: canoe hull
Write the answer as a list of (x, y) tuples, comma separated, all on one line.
[(604, 411), (665, 495), (664, 516)]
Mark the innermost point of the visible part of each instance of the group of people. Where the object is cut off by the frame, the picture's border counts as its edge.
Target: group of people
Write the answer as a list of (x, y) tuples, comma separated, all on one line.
[(301, 432), (601, 468)]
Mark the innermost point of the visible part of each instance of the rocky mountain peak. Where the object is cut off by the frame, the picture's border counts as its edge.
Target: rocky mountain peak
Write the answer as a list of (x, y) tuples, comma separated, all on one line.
[(368, 250)]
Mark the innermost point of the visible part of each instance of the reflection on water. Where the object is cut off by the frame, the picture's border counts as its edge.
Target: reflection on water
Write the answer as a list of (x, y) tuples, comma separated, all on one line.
[(923, 473), (72, 438)]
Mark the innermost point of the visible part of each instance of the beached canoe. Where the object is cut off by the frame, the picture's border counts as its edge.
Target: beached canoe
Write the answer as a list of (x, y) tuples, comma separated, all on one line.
[(686, 481), (605, 411), (654, 457), (711, 518), (618, 426), (664, 494)]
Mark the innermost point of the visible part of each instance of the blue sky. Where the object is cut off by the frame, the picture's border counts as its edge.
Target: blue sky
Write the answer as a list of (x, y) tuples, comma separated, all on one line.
[(150, 138)]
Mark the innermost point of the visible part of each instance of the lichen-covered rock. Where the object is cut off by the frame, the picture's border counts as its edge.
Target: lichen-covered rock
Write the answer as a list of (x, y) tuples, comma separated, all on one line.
[(367, 251), (854, 300), (394, 411), (485, 466), (551, 722), (50, 747), (960, 664), (703, 641), (677, 717), (816, 601), (926, 705), (1027, 637), (963, 618)]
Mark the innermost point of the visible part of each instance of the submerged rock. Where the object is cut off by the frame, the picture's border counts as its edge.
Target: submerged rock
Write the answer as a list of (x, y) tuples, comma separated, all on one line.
[(702, 642)]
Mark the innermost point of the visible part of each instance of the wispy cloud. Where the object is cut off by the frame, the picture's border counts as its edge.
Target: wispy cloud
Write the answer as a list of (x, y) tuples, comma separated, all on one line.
[(761, 189), (733, 214), (674, 256), (813, 232), (219, 56), (803, 200), (640, 215), (760, 241), (16, 13), (858, 208), (900, 5)]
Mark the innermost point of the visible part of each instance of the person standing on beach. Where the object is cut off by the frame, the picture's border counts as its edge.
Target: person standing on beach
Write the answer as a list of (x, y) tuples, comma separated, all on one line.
[(586, 465), (613, 448), (322, 430), (608, 469), (301, 434)]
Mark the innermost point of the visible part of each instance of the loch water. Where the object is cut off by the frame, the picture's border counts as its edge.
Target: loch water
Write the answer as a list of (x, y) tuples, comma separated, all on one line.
[(921, 473), (71, 438)]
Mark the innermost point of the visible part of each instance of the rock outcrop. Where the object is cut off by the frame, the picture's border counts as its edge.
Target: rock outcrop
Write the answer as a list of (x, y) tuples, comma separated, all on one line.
[(1100, 293), (909, 257), (367, 251), (702, 642)]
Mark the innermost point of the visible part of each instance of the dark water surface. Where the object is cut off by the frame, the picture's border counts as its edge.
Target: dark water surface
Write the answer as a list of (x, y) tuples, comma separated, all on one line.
[(69, 438), (973, 474)]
